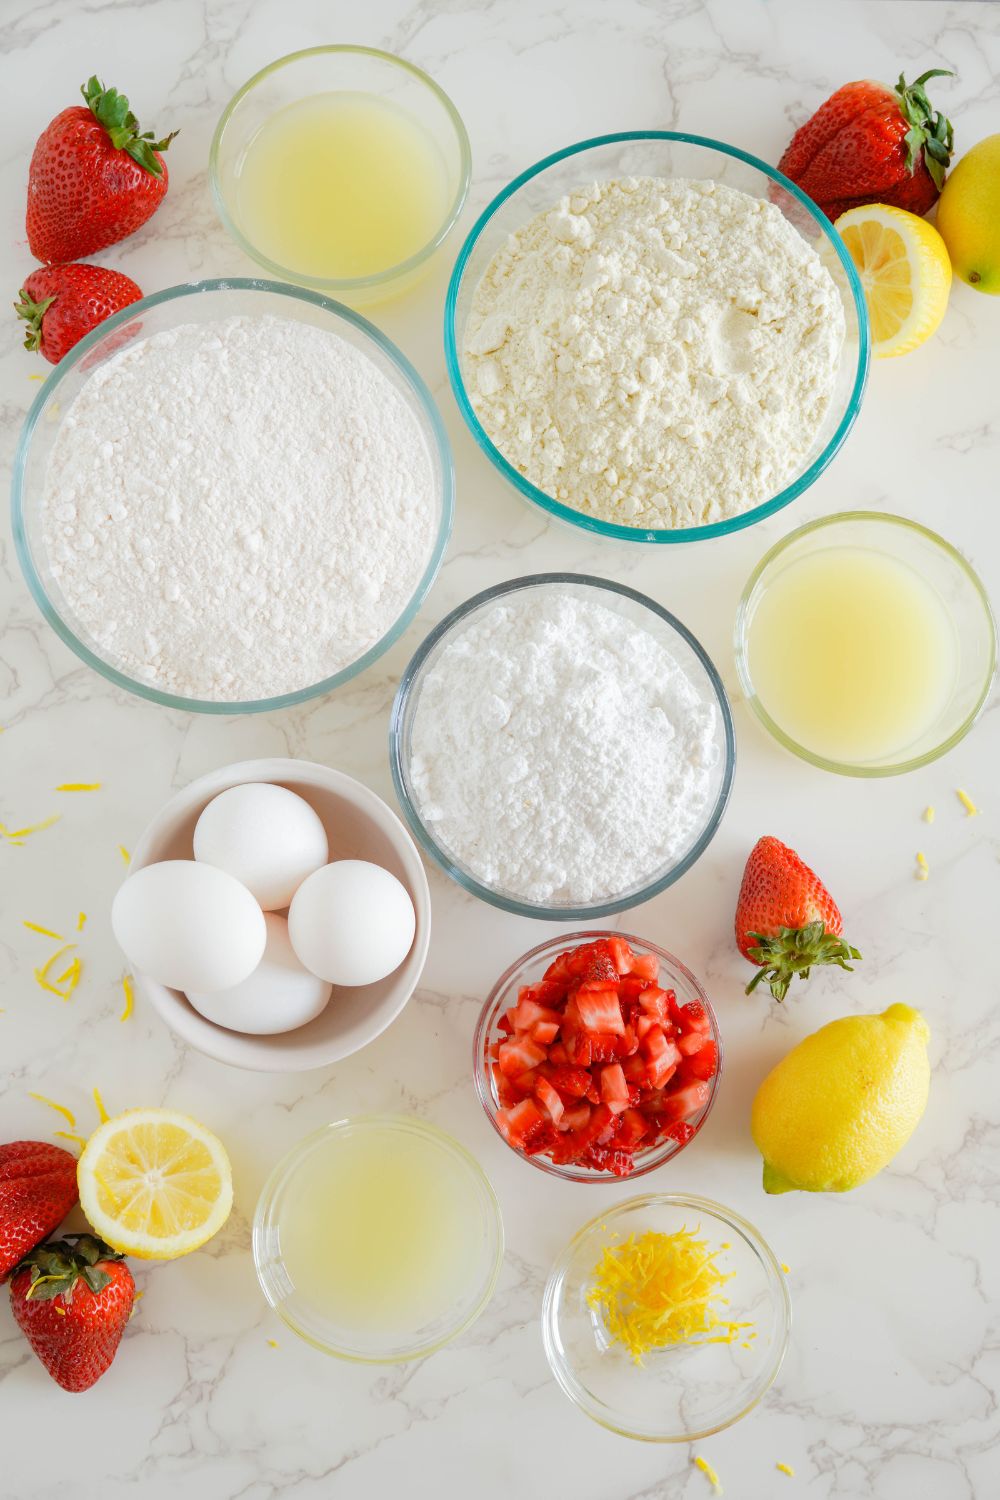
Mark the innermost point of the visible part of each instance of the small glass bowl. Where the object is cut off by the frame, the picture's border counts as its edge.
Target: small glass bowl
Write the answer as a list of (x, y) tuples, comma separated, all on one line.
[(639, 610), (528, 970), (683, 1391), (324, 70), (377, 1345), (660, 153), (204, 302), (944, 569)]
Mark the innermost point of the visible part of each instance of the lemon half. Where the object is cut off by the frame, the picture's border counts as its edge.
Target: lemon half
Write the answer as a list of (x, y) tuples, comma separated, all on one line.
[(155, 1184), (905, 271)]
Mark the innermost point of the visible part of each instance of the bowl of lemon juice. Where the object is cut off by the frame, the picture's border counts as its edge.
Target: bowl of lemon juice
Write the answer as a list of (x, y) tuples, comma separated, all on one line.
[(378, 1239), (865, 643), (341, 168)]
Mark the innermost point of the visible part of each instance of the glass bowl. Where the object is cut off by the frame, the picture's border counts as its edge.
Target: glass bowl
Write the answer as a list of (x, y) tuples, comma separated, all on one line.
[(203, 302), (951, 579), (683, 1391), (341, 69), (638, 610), (464, 1207), (528, 970), (659, 153)]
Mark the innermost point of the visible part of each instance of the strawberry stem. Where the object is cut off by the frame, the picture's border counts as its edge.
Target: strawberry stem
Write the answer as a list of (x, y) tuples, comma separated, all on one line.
[(930, 137), (113, 112), (795, 950), (33, 313), (58, 1266)]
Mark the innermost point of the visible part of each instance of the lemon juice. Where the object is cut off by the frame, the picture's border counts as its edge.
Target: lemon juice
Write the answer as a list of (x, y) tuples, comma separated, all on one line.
[(381, 1230), (852, 654), (341, 185)]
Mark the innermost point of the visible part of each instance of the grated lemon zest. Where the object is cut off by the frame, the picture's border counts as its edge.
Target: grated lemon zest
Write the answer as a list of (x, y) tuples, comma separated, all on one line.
[(273, 1343), (45, 931), (709, 1473), (105, 1117), (928, 814), (126, 856), (72, 975), (787, 1269), (658, 1289), (81, 921), (60, 1109), (79, 786), (971, 809), (69, 1135), (785, 1469), (18, 835), (923, 869), (43, 983), (60, 1312), (129, 997)]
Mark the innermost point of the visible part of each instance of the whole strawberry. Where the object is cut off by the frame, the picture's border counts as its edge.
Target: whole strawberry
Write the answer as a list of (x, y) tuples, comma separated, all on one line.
[(62, 303), (93, 178), (37, 1191), (872, 144), (786, 919), (72, 1299)]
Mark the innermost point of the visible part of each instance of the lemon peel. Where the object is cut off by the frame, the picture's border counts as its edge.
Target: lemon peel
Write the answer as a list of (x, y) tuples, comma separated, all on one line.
[(79, 786), (99, 1103), (709, 1473), (971, 810), (60, 1109), (56, 937), (785, 1469), (129, 997)]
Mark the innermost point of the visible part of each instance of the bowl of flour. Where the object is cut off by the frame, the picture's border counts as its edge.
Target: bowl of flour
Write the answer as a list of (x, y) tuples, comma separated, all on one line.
[(562, 747), (232, 496), (656, 337)]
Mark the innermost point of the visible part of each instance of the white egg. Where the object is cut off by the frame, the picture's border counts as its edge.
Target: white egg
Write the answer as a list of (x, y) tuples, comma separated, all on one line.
[(189, 926), (266, 836), (278, 996), (351, 922)]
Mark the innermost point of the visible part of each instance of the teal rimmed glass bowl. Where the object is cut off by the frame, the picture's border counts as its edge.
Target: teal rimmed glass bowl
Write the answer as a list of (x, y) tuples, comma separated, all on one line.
[(660, 153), (204, 302)]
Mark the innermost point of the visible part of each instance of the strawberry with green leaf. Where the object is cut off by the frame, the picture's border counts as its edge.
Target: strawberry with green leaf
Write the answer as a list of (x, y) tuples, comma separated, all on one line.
[(72, 1300)]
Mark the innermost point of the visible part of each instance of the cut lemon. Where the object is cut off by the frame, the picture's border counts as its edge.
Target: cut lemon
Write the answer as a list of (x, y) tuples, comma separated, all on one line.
[(155, 1184), (905, 271)]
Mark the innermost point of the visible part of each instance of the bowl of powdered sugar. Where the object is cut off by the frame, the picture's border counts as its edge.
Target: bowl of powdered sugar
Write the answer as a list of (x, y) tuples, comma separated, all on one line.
[(562, 746), (656, 337), (232, 496)]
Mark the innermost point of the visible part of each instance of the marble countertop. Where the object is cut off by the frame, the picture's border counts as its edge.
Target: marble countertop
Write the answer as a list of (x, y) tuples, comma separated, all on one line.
[(891, 1387)]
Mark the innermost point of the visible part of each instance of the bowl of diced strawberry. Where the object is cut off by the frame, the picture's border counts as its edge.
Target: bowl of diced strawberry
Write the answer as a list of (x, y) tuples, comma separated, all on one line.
[(597, 1054)]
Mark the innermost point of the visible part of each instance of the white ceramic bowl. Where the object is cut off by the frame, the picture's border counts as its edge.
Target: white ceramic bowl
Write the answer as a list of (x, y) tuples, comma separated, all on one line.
[(359, 825)]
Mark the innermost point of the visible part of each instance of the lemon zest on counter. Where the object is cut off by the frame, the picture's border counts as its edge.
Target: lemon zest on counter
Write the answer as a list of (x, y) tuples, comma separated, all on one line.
[(787, 1269), (657, 1289), (709, 1473), (44, 984), (36, 377), (70, 1135), (928, 814), (273, 1343), (105, 1117), (45, 931), (81, 921), (129, 997), (785, 1469), (971, 810), (60, 1109), (18, 835), (126, 856), (79, 786), (72, 975), (61, 1312), (923, 869)]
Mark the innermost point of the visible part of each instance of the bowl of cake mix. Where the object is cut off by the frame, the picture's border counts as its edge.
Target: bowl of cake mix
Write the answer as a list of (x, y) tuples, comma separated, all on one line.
[(232, 496), (656, 337), (562, 746)]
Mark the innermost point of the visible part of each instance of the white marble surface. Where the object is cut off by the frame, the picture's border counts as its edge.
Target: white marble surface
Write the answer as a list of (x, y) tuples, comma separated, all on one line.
[(891, 1388)]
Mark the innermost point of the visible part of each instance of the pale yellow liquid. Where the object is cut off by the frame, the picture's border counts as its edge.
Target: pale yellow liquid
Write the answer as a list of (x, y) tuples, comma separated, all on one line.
[(341, 185), (852, 654), (379, 1231)]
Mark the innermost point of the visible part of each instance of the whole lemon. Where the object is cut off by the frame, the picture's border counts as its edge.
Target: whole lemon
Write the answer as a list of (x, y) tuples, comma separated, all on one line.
[(968, 216), (836, 1110)]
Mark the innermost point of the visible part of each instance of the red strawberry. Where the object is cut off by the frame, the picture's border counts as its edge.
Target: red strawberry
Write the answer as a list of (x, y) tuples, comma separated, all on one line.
[(72, 1300), (872, 144), (93, 178), (62, 303), (786, 919), (37, 1191)]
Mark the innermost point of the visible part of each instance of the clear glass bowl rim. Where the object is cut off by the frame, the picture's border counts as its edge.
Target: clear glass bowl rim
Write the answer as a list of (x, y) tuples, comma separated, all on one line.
[(658, 1155), (297, 1153), (355, 283), (741, 644), (609, 528), (469, 882), (80, 351), (727, 1216)]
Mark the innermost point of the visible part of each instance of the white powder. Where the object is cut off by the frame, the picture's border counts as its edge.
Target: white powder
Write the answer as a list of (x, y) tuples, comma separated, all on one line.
[(658, 353), (238, 509), (560, 752)]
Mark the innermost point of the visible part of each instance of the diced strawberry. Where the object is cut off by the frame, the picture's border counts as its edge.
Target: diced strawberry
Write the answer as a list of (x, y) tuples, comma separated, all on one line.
[(575, 1142), (527, 1013), (572, 964), (681, 1132), (578, 1049), (644, 1025), (695, 1018), (634, 1127), (542, 1141), (635, 1068), (572, 1083), (545, 1032), (520, 1124), (598, 1008), (613, 1083), (630, 987), (575, 1117), (550, 1099), (701, 1064), (684, 1102), (558, 1053), (493, 1050), (647, 965), (621, 954), (614, 1159), (600, 970), (604, 1048), (653, 1002), (661, 1055), (505, 1024), (520, 1055), (543, 993)]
